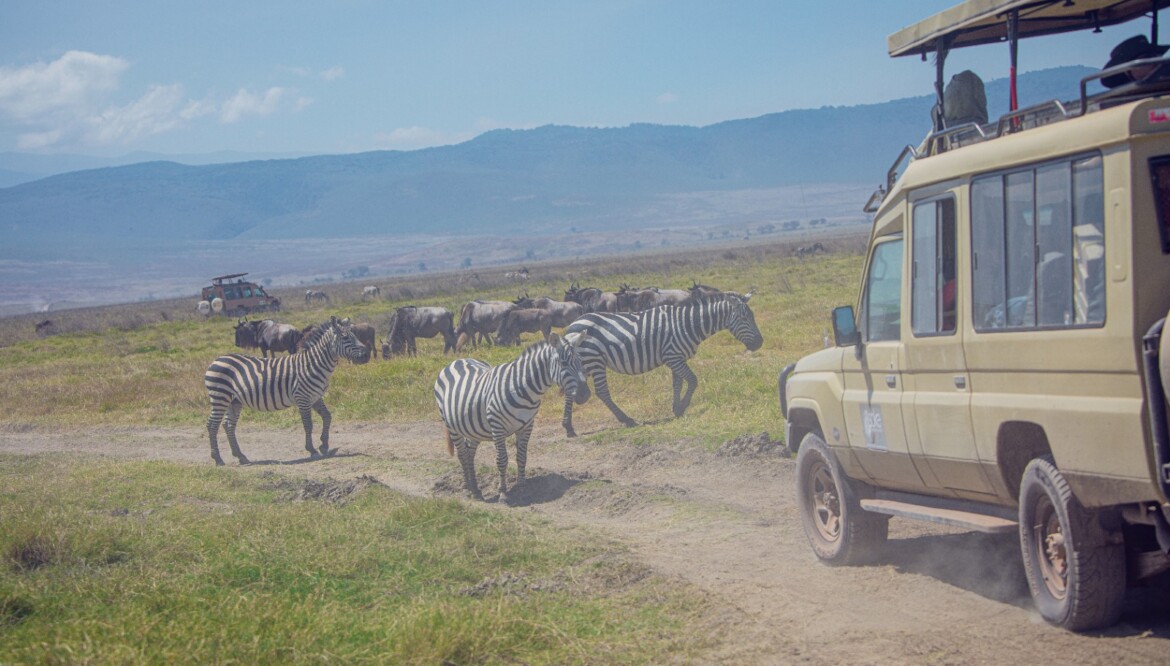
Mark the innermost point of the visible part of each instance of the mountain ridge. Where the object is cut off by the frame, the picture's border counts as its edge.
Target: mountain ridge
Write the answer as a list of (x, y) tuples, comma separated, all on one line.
[(503, 181)]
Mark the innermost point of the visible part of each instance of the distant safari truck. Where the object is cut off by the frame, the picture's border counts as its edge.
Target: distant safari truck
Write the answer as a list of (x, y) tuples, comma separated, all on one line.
[(232, 295)]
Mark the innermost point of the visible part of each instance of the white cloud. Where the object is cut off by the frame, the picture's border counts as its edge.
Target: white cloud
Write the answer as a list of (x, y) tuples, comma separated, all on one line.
[(76, 100), (247, 103), (155, 112), (66, 86), (333, 73), (667, 98)]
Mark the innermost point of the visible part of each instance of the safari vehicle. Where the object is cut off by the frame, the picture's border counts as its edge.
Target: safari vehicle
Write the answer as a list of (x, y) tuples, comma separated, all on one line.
[(1004, 368), (236, 296)]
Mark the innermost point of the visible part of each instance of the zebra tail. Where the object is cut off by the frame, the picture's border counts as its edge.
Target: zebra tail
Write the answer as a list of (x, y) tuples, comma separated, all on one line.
[(450, 445)]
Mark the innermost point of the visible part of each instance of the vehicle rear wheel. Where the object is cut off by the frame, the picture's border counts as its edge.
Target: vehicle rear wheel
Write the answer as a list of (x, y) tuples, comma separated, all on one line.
[(1075, 567), (838, 529)]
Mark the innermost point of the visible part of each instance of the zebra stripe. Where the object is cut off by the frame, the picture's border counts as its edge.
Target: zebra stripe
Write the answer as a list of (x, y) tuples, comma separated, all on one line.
[(235, 381), (632, 343), (478, 402)]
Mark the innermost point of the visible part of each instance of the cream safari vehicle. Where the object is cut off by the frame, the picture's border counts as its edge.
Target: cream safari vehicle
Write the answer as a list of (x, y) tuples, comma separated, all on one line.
[(1003, 369)]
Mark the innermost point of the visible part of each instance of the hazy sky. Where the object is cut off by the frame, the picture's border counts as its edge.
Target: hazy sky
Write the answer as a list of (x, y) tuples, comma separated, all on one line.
[(335, 76)]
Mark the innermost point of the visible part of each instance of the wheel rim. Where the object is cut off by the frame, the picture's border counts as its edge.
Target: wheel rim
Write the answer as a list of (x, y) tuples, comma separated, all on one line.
[(825, 501), (1050, 549)]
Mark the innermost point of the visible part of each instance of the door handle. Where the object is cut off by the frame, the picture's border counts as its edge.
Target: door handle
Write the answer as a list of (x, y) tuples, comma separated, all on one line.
[(892, 381)]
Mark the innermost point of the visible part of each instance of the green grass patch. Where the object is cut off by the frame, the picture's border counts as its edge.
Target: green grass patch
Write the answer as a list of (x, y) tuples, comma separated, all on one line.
[(113, 562)]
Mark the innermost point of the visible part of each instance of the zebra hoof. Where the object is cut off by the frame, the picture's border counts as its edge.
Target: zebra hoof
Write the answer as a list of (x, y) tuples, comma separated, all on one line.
[(217, 460), (328, 453), (569, 432), (243, 460)]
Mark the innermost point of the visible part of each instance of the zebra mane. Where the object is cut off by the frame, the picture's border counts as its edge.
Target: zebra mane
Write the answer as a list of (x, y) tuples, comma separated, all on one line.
[(316, 335)]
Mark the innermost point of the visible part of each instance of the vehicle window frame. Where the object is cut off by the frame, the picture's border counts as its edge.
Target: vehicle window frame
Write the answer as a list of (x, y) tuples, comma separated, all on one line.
[(942, 206), (1036, 209), (866, 310)]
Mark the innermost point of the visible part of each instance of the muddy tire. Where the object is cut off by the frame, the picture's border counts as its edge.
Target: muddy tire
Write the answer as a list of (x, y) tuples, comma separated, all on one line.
[(838, 529), (1075, 568)]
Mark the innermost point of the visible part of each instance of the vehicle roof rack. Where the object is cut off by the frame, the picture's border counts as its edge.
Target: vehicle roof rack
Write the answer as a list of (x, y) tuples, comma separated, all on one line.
[(220, 279)]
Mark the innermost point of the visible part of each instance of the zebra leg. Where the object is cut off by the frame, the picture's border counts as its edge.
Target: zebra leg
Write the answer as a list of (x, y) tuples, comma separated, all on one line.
[(229, 426), (522, 437), (681, 372), (326, 419), (466, 449), (213, 421), (567, 419), (601, 388), (502, 463), (307, 421)]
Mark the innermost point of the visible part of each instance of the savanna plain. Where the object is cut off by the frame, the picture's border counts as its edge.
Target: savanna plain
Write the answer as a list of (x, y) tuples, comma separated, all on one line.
[(675, 541)]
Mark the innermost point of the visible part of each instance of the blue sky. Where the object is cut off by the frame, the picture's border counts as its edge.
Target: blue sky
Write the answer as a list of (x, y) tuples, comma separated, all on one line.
[(260, 76)]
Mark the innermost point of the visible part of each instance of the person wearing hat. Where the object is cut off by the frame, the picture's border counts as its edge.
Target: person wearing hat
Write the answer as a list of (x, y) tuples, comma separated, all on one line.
[(1134, 48)]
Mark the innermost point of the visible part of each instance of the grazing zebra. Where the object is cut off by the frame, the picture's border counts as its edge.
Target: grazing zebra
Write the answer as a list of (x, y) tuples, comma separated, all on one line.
[(268, 384), (635, 342), (314, 295), (478, 402)]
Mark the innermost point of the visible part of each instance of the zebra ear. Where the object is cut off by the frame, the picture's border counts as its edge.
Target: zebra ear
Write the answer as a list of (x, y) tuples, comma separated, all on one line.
[(746, 297), (574, 339)]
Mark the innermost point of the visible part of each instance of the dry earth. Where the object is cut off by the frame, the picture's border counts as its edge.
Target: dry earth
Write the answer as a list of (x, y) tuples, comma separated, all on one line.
[(723, 522)]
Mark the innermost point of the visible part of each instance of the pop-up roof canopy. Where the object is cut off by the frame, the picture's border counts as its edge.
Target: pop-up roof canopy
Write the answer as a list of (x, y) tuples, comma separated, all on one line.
[(986, 21)]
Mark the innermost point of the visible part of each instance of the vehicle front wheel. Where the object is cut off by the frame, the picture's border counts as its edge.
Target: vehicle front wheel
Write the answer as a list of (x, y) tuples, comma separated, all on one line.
[(1075, 567), (838, 529)]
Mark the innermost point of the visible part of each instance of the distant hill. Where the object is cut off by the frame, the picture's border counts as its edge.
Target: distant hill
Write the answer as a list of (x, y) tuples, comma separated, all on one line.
[(504, 182)]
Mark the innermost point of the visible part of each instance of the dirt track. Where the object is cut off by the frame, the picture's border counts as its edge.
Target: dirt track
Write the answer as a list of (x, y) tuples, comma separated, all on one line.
[(724, 523)]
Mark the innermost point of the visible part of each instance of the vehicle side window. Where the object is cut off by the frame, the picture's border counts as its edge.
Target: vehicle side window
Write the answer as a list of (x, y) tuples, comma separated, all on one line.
[(933, 282), (883, 293), (1038, 241)]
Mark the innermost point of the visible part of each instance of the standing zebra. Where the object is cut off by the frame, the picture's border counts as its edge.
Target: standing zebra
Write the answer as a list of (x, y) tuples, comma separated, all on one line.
[(478, 402), (269, 384), (635, 342)]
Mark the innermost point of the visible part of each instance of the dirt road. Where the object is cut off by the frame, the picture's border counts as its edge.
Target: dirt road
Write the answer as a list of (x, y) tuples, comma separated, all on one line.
[(726, 523)]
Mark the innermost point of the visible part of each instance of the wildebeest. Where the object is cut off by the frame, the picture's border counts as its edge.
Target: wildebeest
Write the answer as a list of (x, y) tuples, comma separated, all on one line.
[(267, 335), (366, 335), (410, 322), (806, 250), (592, 298), (521, 275), (478, 320), (371, 291), (515, 322), (637, 300), (314, 295), (46, 328), (563, 312)]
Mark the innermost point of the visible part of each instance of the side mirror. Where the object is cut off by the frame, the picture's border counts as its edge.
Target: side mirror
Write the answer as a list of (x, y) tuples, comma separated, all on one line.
[(845, 333)]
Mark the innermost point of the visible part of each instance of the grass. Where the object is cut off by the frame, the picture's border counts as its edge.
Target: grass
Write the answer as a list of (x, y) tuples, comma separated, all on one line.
[(150, 373), (114, 562)]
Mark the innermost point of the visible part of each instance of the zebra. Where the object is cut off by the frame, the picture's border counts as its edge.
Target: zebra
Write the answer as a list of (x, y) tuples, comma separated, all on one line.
[(636, 342), (478, 402), (234, 381)]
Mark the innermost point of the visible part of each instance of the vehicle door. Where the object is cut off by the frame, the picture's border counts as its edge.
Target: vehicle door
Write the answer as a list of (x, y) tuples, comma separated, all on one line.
[(937, 402), (872, 398)]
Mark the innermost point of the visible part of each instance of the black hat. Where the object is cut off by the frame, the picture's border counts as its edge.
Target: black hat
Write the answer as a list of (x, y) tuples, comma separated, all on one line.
[(1134, 48)]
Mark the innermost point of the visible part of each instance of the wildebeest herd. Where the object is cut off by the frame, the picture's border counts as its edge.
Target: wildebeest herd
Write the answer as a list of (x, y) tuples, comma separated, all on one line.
[(629, 331)]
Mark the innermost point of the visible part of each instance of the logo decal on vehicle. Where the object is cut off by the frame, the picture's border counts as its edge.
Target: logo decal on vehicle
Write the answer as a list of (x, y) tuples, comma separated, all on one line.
[(874, 427)]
